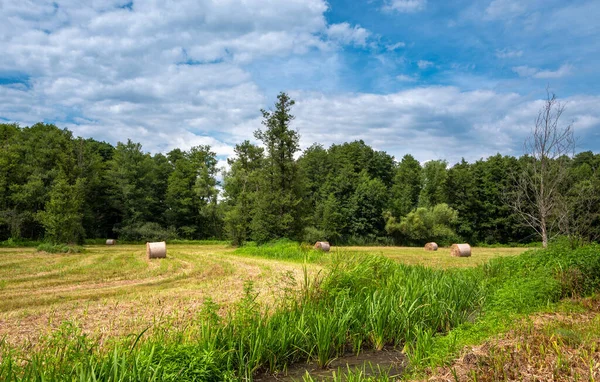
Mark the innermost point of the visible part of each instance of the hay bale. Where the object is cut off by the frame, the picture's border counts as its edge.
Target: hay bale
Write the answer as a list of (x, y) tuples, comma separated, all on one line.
[(111, 242), (460, 250), (323, 246), (156, 250), (431, 246)]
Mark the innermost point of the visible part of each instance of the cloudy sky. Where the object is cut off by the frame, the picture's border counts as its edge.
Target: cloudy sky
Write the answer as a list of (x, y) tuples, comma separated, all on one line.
[(437, 79)]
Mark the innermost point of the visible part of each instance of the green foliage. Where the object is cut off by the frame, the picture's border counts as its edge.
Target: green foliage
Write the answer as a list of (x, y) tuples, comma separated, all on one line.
[(191, 195), (52, 182), (278, 204), (59, 248), (425, 224), (138, 232), (282, 249), (407, 186), (312, 235), (14, 243), (434, 187), (62, 216)]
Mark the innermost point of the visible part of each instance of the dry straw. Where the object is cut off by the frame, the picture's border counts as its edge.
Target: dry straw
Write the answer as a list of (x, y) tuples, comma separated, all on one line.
[(460, 250), (323, 246), (111, 242), (431, 246), (156, 250)]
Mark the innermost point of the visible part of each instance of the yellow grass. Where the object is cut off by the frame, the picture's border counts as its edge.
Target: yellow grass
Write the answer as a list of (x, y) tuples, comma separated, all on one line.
[(114, 291)]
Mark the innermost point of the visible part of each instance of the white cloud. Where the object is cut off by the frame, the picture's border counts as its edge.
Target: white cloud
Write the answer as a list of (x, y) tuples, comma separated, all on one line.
[(405, 6), (405, 78), (507, 53), (563, 71), (498, 9), (183, 76), (346, 34), (166, 76), (526, 71), (433, 122), (395, 46), (424, 64)]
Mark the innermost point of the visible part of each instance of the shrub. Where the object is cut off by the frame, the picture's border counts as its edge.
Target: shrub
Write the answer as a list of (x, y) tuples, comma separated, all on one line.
[(146, 232), (59, 248)]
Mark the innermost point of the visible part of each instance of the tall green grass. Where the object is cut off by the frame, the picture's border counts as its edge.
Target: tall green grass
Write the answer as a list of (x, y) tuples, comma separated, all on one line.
[(283, 250), (361, 302)]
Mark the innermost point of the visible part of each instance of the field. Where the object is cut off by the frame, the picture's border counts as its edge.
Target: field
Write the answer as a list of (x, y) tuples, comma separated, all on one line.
[(256, 311), (114, 291)]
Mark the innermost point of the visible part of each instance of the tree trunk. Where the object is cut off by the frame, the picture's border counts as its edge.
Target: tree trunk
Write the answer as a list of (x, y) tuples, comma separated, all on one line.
[(544, 233)]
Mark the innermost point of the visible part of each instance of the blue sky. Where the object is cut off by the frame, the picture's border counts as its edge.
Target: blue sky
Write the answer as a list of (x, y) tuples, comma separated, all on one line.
[(437, 79)]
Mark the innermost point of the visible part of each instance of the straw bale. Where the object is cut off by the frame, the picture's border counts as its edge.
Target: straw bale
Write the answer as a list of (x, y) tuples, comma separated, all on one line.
[(111, 242), (431, 246), (323, 246), (460, 250), (156, 250)]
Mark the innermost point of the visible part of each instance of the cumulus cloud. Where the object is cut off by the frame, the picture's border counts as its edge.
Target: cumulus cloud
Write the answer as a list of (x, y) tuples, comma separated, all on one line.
[(405, 6), (432, 122), (181, 76), (346, 34), (526, 71), (167, 76)]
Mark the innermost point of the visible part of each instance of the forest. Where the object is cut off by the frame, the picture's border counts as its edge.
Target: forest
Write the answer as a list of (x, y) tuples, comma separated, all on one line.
[(65, 189)]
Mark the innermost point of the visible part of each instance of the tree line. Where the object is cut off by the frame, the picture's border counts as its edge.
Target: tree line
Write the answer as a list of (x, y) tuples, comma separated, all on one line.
[(62, 188)]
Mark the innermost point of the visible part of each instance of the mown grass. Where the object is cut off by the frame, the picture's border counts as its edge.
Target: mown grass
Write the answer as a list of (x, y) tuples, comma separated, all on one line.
[(360, 302), (436, 259)]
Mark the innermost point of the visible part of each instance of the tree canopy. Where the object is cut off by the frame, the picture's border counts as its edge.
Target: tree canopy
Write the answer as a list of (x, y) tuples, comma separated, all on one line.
[(62, 188)]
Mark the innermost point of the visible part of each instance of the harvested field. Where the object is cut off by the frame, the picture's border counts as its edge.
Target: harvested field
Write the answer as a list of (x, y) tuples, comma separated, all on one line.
[(115, 290), (440, 258)]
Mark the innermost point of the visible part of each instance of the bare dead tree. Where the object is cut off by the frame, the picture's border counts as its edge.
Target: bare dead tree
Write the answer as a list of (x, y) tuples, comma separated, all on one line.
[(537, 196)]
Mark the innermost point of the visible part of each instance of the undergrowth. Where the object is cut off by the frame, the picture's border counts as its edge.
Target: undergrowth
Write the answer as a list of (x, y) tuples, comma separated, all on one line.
[(59, 248), (283, 250), (361, 302)]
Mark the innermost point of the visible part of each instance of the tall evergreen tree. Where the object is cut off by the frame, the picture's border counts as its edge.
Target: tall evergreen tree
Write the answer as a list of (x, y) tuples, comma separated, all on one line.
[(278, 207)]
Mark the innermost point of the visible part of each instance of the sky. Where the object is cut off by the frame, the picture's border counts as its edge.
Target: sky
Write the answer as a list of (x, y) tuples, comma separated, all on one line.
[(435, 79)]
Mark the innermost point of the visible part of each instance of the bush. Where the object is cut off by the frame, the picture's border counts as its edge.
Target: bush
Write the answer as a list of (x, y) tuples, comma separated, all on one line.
[(283, 249), (13, 243), (146, 232), (312, 235), (59, 248)]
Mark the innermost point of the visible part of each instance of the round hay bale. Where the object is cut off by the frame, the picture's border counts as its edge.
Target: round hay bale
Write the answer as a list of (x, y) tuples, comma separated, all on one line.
[(460, 250), (156, 250), (323, 246), (111, 242), (431, 246)]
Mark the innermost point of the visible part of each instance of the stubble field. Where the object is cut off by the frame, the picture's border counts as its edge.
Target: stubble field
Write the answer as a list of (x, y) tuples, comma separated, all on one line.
[(114, 291)]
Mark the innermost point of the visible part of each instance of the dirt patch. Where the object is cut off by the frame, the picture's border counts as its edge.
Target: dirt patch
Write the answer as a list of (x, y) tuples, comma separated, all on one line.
[(389, 362)]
